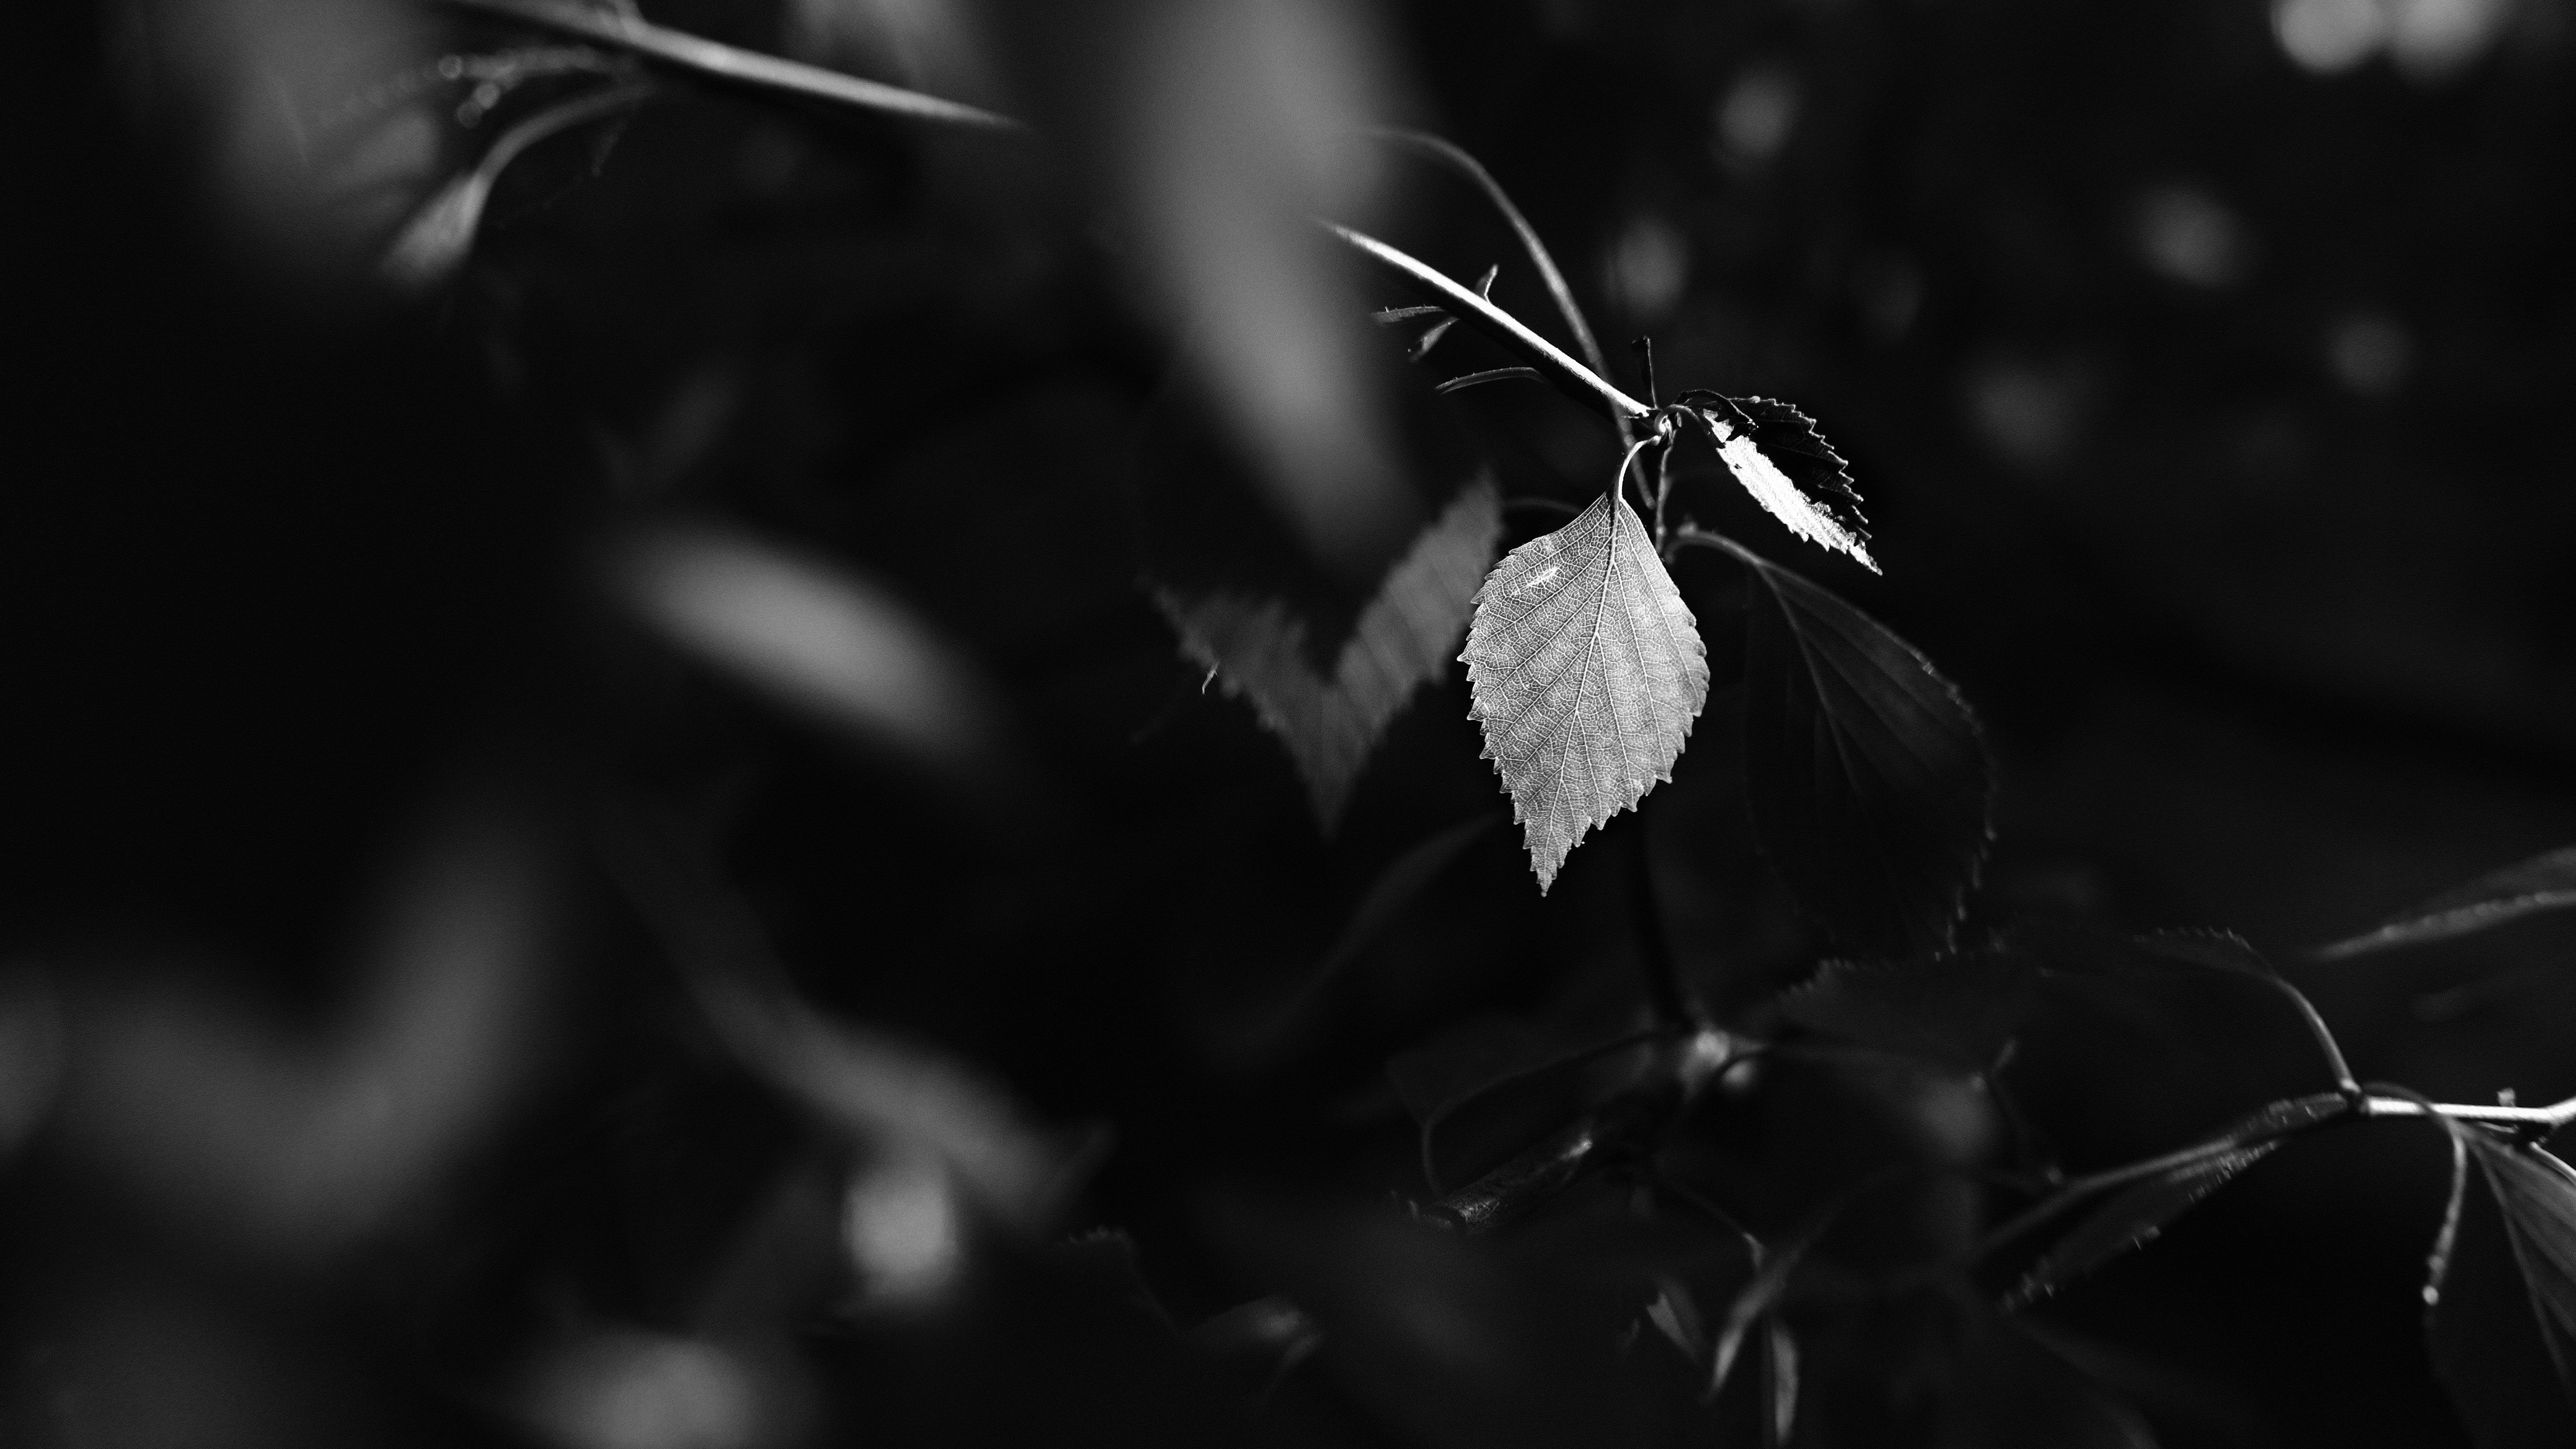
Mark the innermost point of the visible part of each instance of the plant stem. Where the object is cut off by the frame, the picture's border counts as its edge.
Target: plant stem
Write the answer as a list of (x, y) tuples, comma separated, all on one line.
[(1508, 332), (2303, 1114), (735, 65), (716, 61), (1455, 157)]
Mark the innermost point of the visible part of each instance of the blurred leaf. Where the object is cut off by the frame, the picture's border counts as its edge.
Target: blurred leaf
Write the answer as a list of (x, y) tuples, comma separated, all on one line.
[(1758, 1298), (1259, 649), (2502, 1317), (305, 1146), (2545, 882), (1784, 1381), (904, 1099), (2132, 1218), (1869, 783), (1258, 1343), (1959, 1010), (1775, 451), (1445, 1340), (1587, 671), (1396, 886), (815, 636), (436, 241)]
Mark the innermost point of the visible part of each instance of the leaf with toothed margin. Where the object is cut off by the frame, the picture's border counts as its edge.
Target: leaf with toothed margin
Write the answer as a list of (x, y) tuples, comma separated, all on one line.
[(1867, 774), (1586, 670), (2500, 1316), (1400, 643), (1775, 451), (2546, 882), (2132, 1218)]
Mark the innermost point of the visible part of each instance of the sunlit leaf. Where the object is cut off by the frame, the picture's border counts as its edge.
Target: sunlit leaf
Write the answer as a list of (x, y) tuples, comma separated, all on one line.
[(2545, 882), (2502, 1319), (1258, 648), (1775, 451), (1868, 777), (1587, 671)]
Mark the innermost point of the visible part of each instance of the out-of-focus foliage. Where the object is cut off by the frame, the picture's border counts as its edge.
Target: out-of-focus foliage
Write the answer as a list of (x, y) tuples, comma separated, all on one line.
[(613, 849)]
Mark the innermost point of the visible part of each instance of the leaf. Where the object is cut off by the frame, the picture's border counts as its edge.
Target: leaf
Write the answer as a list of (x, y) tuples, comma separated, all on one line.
[(1959, 1011), (1760, 1296), (2131, 1219), (1775, 451), (2502, 1319), (435, 242), (2546, 882), (1586, 670), (1479, 1059), (2139, 1209), (1401, 641), (1867, 775)]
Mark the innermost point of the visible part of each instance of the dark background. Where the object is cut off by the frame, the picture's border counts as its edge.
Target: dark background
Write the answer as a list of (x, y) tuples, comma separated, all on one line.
[(2209, 410)]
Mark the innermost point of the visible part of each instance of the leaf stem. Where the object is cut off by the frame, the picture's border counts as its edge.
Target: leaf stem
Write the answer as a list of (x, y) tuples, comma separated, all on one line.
[(714, 60)]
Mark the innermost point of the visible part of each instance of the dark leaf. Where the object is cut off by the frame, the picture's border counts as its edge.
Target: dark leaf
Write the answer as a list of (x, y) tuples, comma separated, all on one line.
[(1868, 776), (1443, 1339), (2502, 1318), (1959, 1011), (1758, 1298), (2137, 1210), (2542, 883), (2132, 1218), (1775, 451), (1587, 671), (1401, 641), (1481, 1059), (1397, 885)]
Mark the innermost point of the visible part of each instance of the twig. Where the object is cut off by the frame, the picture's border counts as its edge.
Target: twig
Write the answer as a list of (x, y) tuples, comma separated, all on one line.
[(699, 56), (714, 60), (1569, 376), (2299, 1114), (1455, 157)]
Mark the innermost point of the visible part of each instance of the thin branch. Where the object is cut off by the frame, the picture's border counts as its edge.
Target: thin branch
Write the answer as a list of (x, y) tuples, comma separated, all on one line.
[(2344, 1082), (1569, 376), (699, 56), (1450, 154), (714, 60), (2303, 1114)]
